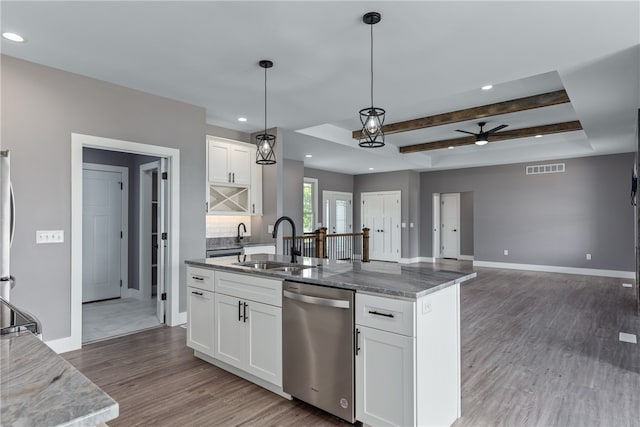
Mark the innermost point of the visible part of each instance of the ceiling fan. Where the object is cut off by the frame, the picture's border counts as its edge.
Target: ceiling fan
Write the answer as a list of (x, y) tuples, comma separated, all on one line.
[(483, 136)]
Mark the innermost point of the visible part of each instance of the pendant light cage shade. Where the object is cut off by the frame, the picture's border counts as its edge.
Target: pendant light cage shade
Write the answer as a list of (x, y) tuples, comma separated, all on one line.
[(371, 135), (265, 142), (372, 118)]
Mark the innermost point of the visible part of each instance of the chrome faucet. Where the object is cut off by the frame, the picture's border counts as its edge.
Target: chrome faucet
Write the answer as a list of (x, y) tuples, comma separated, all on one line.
[(294, 251), (239, 237)]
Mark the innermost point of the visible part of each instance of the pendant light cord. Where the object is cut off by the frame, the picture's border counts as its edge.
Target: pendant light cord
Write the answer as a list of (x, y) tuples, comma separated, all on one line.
[(265, 100), (371, 25)]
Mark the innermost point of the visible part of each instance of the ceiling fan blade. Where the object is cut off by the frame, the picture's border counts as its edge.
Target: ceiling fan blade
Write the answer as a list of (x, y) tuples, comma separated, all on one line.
[(464, 131), (496, 129)]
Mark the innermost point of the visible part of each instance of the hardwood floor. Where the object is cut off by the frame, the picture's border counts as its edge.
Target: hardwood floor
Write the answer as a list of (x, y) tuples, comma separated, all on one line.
[(538, 349)]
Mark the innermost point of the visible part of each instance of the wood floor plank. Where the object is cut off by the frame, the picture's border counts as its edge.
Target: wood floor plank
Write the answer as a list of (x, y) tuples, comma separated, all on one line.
[(538, 349)]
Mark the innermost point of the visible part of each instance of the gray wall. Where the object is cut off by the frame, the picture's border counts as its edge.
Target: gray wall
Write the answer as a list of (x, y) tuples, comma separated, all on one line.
[(328, 181), (548, 219), (408, 183), (131, 162), (466, 223), (292, 191), (41, 108)]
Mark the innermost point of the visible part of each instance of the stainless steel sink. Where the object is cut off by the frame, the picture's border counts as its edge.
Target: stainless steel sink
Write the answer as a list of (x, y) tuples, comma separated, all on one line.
[(275, 266)]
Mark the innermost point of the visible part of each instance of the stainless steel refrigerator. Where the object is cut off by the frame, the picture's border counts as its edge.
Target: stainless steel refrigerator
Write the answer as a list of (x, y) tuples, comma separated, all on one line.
[(7, 224)]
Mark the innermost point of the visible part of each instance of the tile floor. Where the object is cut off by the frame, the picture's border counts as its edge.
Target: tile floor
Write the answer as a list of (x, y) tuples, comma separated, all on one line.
[(121, 316)]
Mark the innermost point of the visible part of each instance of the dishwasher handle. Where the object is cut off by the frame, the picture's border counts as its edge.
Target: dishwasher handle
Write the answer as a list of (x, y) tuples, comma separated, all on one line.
[(335, 303)]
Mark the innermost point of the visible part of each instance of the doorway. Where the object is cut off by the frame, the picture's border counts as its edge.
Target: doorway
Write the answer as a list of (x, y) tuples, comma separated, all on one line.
[(104, 232), (338, 219), (171, 158), (381, 213), (450, 225)]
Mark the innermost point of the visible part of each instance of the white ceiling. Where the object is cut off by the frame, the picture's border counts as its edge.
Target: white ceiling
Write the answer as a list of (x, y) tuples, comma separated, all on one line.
[(430, 57)]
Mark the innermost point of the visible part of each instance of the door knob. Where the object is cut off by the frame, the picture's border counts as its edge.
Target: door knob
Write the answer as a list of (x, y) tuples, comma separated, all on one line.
[(455, 229)]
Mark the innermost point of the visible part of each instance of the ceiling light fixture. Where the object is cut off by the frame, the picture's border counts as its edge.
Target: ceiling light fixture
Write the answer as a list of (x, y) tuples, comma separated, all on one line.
[(370, 169), (538, 136), (308, 156), (13, 37), (265, 141), (372, 118), (450, 147), (242, 119), (487, 87)]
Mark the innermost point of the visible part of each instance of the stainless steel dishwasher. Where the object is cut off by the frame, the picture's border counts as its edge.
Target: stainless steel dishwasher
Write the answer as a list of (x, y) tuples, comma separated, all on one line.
[(317, 347)]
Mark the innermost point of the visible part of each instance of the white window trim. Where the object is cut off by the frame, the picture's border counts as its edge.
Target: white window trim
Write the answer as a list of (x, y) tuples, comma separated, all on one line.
[(314, 184)]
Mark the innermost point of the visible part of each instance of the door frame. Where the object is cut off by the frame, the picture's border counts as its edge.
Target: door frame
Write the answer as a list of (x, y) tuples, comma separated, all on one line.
[(329, 193), (435, 248), (457, 197), (124, 220), (144, 238), (78, 141)]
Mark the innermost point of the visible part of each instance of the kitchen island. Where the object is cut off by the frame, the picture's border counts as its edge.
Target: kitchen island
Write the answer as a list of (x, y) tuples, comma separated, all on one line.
[(406, 329)]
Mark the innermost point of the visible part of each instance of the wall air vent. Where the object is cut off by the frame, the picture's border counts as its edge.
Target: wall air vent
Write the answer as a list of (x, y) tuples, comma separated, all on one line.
[(538, 169)]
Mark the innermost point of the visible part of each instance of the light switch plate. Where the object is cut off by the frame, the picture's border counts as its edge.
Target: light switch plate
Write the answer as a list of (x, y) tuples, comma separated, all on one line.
[(49, 236)]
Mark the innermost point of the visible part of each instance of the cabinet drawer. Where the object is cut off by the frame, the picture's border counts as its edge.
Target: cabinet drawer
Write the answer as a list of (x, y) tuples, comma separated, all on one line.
[(200, 278), (386, 314), (254, 288)]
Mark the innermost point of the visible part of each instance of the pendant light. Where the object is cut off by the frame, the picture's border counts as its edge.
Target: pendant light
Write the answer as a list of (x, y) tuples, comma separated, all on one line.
[(265, 141), (372, 118)]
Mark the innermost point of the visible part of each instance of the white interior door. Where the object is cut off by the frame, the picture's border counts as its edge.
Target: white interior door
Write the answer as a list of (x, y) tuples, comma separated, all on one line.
[(101, 235), (450, 225), (381, 213), (162, 241), (338, 216)]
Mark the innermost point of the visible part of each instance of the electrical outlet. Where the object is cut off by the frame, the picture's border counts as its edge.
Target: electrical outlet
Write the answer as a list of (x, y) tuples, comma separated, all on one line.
[(404, 225), (269, 229), (627, 285), (506, 251), (426, 307), (49, 236), (410, 225), (589, 257)]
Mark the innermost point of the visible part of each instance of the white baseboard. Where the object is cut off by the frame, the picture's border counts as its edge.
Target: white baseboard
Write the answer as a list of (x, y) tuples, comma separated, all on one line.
[(465, 257), (180, 319), (416, 259), (135, 293), (63, 345), (557, 269)]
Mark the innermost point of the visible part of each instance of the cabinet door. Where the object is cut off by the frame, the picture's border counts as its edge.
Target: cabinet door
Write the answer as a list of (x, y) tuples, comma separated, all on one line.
[(240, 165), (385, 385), (230, 331), (256, 189), (218, 163), (264, 357), (200, 330)]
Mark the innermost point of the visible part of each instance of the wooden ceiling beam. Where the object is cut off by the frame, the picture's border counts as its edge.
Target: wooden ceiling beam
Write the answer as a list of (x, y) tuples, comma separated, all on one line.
[(474, 113), (498, 136)]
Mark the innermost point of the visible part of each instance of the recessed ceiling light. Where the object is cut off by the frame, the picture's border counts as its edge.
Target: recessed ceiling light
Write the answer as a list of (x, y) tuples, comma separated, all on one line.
[(538, 136), (370, 169), (487, 87), (13, 37), (450, 147), (242, 119), (308, 156)]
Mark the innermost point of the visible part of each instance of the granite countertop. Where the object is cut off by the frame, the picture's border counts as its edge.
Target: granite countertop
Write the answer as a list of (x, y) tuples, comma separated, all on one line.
[(397, 280), (40, 388)]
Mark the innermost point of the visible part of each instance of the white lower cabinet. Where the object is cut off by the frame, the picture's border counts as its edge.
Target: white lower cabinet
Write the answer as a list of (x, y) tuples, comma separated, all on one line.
[(385, 380), (200, 309), (249, 333)]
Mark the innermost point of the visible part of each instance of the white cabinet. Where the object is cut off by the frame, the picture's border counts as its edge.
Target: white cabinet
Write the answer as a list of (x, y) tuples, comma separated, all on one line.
[(229, 162), (249, 333), (408, 359), (200, 309), (385, 385), (234, 180)]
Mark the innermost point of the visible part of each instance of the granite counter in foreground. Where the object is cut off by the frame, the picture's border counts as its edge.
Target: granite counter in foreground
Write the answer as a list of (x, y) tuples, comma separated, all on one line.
[(399, 280), (40, 388)]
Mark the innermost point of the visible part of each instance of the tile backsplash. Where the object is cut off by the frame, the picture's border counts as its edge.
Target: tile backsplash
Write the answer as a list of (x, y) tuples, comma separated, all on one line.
[(227, 226)]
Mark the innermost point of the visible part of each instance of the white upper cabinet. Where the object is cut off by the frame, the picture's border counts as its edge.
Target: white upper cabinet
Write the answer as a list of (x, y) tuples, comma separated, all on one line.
[(234, 181)]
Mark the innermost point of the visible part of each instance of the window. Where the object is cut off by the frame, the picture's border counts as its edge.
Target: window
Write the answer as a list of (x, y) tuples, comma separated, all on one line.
[(309, 204)]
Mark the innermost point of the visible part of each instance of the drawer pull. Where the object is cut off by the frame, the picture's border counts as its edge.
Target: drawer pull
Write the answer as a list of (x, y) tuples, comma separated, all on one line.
[(197, 278), (197, 293), (377, 313)]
